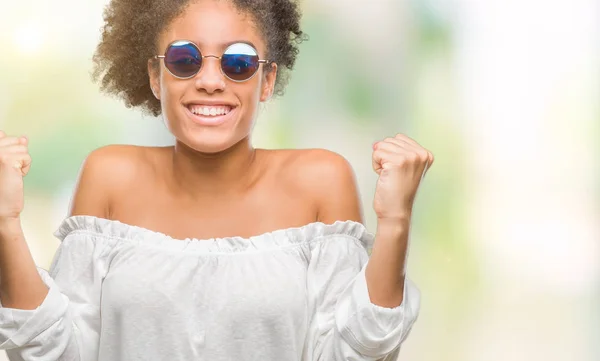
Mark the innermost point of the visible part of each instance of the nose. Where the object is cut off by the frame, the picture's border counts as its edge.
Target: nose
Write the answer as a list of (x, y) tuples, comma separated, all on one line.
[(209, 78)]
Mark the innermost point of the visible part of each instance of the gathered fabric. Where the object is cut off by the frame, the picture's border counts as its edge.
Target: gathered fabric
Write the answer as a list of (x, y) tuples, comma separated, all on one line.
[(118, 292)]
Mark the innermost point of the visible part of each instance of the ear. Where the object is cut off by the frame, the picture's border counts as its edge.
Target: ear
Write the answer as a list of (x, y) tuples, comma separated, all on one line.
[(268, 84), (154, 75)]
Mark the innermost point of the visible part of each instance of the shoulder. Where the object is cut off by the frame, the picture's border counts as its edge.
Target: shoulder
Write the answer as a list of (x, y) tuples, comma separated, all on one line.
[(107, 172), (117, 157), (328, 179), (317, 165)]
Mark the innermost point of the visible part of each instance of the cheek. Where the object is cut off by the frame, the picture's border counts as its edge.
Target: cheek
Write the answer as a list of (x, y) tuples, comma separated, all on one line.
[(253, 101), (257, 89), (171, 94), (170, 104), (249, 93)]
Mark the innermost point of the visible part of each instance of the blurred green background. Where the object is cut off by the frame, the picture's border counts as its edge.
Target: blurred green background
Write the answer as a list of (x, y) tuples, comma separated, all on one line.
[(506, 237)]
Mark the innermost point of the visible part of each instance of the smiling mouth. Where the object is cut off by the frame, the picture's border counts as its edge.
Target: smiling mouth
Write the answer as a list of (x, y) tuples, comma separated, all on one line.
[(209, 110), (210, 115)]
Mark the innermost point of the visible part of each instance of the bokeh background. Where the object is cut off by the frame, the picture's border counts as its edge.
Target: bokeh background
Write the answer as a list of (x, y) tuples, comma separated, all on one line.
[(506, 94)]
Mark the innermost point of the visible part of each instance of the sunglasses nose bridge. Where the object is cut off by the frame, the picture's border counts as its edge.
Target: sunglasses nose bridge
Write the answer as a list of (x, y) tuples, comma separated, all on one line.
[(210, 76), (211, 66)]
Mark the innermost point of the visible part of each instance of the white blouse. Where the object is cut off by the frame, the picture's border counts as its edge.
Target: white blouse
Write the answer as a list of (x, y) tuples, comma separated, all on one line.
[(123, 293)]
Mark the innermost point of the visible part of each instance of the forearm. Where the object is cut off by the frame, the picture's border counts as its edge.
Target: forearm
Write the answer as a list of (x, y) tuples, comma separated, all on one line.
[(21, 286), (386, 268)]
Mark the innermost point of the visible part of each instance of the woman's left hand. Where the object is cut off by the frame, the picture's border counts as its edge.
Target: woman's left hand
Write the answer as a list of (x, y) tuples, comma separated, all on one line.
[(401, 164)]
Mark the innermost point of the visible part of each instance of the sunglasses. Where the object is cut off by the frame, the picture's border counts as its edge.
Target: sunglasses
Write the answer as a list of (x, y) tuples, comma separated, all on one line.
[(239, 61)]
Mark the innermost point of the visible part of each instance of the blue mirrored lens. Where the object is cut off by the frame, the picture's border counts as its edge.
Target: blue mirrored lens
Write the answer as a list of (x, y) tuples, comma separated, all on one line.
[(240, 61), (183, 59)]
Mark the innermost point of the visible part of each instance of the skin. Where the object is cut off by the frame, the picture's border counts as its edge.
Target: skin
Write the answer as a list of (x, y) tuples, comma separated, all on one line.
[(212, 25), (213, 183)]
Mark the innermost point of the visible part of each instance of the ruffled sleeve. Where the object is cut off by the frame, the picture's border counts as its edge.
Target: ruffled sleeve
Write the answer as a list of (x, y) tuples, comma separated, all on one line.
[(344, 323), (66, 326)]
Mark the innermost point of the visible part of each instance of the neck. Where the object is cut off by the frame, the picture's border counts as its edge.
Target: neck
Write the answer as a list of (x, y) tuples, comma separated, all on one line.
[(200, 175)]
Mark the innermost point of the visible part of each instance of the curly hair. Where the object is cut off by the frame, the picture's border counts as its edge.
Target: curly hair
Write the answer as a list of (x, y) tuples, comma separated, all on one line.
[(132, 27)]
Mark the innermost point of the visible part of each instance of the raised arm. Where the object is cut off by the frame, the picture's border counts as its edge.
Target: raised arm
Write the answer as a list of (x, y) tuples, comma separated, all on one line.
[(20, 284), (50, 315)]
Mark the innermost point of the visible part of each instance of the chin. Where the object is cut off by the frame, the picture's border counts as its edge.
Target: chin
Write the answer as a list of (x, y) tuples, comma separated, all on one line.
[(210, 139), (209, 144)]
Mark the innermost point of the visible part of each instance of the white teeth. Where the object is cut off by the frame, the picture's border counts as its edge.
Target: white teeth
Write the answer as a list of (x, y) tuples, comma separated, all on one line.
[(209, 110)]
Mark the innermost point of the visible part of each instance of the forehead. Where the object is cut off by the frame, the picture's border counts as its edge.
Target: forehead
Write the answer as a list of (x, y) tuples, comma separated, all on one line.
[(212, 24)]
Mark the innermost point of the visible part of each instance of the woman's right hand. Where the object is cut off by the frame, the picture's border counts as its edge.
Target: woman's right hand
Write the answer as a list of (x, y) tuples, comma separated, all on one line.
[(14, 165)]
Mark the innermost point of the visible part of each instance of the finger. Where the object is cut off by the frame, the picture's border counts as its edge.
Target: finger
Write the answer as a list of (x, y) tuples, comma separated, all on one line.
[(410, 147), (25, 164), (6, 141), (424, 171), (14, 149), (413, 146), (18, 161), (381, 157), (431, 158), (399, 142), (423, 154), (389, 140), (377, 160), (376, 163), (390, 146), (2, 134), (400, 150), (406, 139)]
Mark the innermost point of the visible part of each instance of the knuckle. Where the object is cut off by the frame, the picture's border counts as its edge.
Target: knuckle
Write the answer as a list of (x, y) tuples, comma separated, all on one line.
[(404, 160), (414, 157)]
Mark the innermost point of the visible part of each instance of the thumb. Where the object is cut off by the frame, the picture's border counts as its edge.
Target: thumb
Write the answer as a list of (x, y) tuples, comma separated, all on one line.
[(21, 163), (25, 165), (377, 159), (26, 159)]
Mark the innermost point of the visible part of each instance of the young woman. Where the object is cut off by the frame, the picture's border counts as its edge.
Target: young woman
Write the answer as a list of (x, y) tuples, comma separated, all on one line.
[(210, 249)]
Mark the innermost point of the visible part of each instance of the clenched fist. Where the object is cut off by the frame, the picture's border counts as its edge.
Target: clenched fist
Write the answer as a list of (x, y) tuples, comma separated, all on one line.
[(401, 164), (14, 165)]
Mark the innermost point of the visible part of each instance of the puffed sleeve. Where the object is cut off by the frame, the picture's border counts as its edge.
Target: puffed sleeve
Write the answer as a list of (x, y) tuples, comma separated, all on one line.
[(66, 326), (345, 324)]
